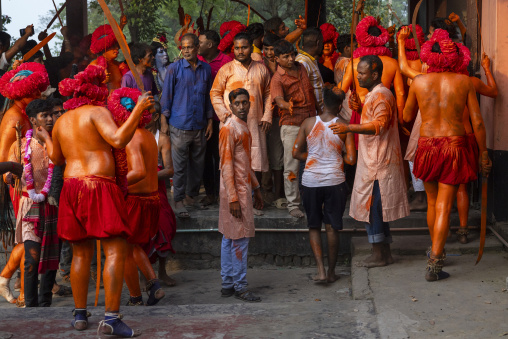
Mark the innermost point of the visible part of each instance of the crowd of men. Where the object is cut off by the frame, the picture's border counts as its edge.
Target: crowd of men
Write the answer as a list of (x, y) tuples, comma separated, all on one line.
[(259, 116)]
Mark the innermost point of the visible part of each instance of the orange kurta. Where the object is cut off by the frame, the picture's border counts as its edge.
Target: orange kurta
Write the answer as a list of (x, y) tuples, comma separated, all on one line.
[(237, 179), (379, 158), (256, 80)]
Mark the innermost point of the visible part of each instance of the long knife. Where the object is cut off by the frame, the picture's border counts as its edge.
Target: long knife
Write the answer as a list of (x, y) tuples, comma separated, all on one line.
[(123, 44), (415, 14), (483, 230), (57, 15), (41, 44)]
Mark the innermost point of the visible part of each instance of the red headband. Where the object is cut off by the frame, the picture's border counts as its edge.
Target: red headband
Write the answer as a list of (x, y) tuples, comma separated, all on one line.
[(369, 44), (449, 60), (234, 27), (84, 89), (102, 38), (34, 82), (119, 112), (330, 34)]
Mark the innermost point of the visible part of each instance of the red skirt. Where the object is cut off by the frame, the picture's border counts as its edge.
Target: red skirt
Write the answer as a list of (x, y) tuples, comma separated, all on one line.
[(160, 245), (356, 118), (474, 153), (143, 212), (92, 207), (445, 160)]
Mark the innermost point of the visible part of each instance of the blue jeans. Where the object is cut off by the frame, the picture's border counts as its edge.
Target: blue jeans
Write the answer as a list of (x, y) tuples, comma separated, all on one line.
[(378, 231), (233, 261)]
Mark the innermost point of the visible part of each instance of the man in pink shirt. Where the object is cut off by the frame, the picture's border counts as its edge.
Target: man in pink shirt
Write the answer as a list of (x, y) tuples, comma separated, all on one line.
[(379, 193), (209, 52)]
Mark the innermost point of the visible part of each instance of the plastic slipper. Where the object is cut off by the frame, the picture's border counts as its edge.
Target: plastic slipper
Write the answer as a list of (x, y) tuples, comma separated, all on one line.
[(281, 203)]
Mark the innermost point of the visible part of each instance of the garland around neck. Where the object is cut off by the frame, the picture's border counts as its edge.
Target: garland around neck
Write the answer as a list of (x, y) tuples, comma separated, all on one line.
[(30, 187)]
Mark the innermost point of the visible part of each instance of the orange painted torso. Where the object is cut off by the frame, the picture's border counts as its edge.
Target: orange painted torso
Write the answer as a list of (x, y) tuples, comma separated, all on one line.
[(7, 131), (444, 115), (144, 140), (85, 150)]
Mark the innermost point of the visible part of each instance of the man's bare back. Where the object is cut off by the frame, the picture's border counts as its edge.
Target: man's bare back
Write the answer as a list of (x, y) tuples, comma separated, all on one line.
[(441, 99), (142, 159)]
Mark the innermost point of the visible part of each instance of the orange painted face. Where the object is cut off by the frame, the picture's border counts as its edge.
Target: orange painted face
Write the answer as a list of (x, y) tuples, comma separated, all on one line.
[(328, 48)]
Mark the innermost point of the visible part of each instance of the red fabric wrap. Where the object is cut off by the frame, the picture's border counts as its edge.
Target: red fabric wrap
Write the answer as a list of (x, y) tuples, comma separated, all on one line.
[(474, 152), (356, 118), (102, 38), (445, 160), (365, 39), (233, 27), (14, 199), (17, 88), (160, 245), (92, 207), (329, 33), (454, 57), (143, 212)]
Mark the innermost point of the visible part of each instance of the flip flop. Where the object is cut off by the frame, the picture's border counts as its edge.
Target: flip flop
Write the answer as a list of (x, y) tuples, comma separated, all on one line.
[(182, 213), (281, 203)]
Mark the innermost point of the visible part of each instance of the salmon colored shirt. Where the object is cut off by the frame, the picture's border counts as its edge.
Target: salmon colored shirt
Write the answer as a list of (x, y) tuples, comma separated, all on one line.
[(256, 80), (237, 179), (379, 158)]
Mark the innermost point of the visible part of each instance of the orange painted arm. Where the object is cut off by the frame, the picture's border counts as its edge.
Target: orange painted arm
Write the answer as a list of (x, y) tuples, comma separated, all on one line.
[(135, 161), (476, 119), (411, 107), (300, 146), (405, 69), (167, 160), (347, 79), (351, 153), (398, 85)]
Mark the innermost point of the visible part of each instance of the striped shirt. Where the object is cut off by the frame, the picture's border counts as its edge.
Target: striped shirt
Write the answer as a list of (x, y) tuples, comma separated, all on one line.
[(311, 65)]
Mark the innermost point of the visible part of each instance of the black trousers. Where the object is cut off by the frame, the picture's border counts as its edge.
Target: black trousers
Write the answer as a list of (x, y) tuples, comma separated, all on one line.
[(211, 174), (44, 296)]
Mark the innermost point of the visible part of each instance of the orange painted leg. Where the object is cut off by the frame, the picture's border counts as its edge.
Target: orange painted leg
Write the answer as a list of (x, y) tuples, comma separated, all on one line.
[(17, 253), (463, 204), (130, 274), (431, 190), (115, 250), (444, 202), (143, 263), (82, 253), (21, 297)]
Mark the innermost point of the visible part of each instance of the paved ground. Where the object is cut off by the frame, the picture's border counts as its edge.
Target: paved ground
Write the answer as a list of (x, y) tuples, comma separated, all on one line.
[(387, 302)]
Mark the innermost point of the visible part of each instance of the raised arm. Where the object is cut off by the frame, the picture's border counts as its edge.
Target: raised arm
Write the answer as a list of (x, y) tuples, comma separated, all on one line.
[(398, 85), (489, 90), (217, 95), (411, 107), (301, 25), (347, 79), (119, 137), (455, 18), (165, 149), (405, 69), (135, 160), (19, 44)]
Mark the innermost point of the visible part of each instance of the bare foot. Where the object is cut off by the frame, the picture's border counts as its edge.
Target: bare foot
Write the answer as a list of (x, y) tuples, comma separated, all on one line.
[(372, 261), (296, 213), (257, 212), (167, 280), (188, 201), (332, 277), (320, 278)]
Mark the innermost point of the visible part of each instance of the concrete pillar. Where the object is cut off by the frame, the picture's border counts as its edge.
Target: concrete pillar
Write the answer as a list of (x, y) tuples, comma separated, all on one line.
[(77, 18), (495, 111)]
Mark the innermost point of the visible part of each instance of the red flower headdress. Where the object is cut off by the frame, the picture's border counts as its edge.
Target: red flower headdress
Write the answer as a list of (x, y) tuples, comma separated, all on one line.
[(233, 27), (102, 38), (369, 44), (411, 52), (451, 57), (28, 80), (465, 59), (329, 33), (87, 88), (120, 103)]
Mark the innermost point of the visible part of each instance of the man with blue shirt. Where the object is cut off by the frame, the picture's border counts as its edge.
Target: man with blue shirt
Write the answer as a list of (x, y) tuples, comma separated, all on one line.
[(186, 104)]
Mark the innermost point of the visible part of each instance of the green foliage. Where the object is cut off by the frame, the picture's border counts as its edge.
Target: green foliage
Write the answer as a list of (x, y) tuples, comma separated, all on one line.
[(340, 11), (4, 20)]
